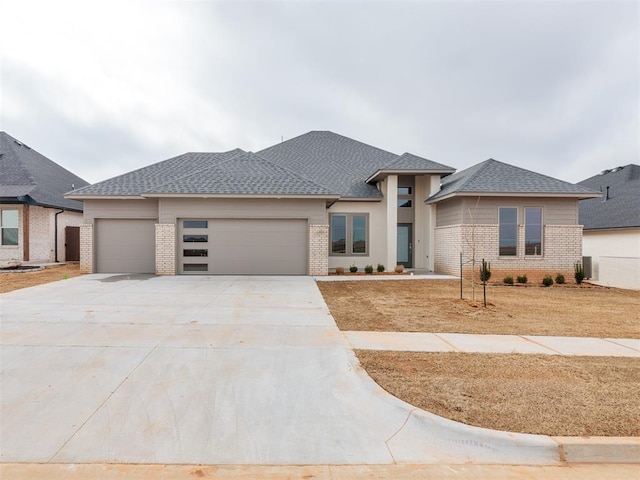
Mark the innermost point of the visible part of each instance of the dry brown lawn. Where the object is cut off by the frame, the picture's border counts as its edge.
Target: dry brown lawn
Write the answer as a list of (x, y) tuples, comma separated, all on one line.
[(543, 394), (435, 306), (16, 280)]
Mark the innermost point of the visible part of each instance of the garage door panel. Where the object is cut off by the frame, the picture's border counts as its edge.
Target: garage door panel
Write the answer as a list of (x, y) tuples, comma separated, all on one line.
[(125, 246), (249, 247)]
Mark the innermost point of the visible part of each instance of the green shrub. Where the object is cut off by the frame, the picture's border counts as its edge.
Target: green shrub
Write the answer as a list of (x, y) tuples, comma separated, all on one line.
[(380, 268), (353, 268), (368, 269), (547, 281), (559, 279), (578, 273), (508, 280), (522, 279), (485, 271)]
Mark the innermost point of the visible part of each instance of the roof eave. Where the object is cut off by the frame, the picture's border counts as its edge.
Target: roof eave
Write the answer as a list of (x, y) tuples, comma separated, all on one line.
[(576, 195), (81, 198), (247, 195), (381, 174)]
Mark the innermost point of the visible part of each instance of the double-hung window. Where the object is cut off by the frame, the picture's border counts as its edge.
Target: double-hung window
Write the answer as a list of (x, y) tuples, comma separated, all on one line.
[(8, 227), (533, 231), (508, 233), (349, 234)]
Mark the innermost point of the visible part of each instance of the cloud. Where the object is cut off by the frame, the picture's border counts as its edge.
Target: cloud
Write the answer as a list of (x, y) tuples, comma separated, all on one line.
[(552, 86)]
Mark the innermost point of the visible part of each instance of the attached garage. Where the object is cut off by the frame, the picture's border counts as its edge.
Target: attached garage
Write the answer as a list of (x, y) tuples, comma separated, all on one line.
[(124, 245), (243, 246)]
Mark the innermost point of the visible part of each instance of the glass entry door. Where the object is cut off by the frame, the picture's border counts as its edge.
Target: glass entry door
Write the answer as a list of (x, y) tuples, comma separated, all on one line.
[(405, 245)]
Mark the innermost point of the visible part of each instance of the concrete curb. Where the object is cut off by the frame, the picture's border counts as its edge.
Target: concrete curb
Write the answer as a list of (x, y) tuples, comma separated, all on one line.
[(598, 449)]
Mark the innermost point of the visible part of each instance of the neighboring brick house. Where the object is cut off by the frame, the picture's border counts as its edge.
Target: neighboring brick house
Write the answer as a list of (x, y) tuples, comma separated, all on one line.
[(308, 205), (35, 218), (612, 226)]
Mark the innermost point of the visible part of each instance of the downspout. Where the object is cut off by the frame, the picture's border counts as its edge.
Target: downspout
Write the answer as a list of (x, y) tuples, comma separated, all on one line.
[(55, 235)]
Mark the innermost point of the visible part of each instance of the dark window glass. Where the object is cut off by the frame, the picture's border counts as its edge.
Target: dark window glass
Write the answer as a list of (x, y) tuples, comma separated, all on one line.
[(195, 238), (404, 203), (508, 231), (195, 223), (195, 253), (404, 190), (338, 234), (359, 229), (533, 231), (196, 267)]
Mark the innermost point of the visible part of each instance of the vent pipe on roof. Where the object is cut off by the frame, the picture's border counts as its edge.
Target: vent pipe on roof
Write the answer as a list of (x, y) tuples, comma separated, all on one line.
[(606, 197)]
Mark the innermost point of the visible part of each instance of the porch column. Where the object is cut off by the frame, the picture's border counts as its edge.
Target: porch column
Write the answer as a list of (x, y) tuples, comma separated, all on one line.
[(391, 195)]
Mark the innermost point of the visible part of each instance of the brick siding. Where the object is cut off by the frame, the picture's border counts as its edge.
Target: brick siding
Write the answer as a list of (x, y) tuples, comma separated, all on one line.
[(318, 249), (562, 247), (165, 249), (86, 248)]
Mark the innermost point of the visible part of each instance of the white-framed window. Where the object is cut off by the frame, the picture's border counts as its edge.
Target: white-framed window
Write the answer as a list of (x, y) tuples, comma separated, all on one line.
[(8, 227), (508, 231), (349, 233), (533, 231)]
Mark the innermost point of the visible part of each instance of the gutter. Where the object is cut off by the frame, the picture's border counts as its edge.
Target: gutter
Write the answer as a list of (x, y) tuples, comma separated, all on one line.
[(55, 235)]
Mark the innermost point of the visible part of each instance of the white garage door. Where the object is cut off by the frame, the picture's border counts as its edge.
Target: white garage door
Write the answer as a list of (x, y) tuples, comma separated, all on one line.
[(125, 246), (243, 246)]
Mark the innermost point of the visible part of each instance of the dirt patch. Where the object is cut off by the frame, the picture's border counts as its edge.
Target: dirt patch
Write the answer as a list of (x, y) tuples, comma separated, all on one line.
[(435, 306), (542, 394), (14, 280)]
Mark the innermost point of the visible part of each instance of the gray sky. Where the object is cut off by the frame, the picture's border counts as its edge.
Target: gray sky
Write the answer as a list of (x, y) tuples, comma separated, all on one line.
[(103, 88)]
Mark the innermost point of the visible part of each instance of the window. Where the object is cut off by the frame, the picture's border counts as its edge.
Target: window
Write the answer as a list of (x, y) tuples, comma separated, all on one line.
[(195, 253), (196, 267), (9, 227), (195, 238), (508, 219), (405, 197), (194, 223), (349, 234), (533, 231)]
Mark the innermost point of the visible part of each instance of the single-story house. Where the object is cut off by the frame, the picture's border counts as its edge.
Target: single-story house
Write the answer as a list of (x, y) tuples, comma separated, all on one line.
[(319, 201), (37, 223), (612, 226)]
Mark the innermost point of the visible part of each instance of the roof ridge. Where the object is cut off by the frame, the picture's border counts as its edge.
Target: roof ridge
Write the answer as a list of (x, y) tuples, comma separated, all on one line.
[(482, 167)]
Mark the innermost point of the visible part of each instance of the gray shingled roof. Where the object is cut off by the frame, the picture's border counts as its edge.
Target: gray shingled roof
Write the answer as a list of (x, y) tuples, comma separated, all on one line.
[(409, 161), (494, 177), (27, 176), (621, 209), (316, 163), (339, 163), (151, 177), (245, 174)]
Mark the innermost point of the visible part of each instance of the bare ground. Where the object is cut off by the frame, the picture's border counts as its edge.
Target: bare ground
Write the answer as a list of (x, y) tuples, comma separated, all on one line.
[(541, 394), (435, 306), (16, 280)]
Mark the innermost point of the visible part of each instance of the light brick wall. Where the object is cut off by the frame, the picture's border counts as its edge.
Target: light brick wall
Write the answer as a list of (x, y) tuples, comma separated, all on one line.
[(41, 234), (86, 248), (318, 249), (165, 248), (562, 246)]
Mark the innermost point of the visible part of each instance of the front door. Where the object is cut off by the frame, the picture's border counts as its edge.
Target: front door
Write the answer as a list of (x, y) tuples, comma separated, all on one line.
[(405, 245)]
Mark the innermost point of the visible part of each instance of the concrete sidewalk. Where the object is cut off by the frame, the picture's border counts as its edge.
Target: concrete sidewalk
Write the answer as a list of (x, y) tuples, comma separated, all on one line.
[(475, 343)]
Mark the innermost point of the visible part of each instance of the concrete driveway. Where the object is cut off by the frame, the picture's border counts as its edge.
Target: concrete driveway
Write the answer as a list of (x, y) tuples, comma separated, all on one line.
[(208, 370)]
